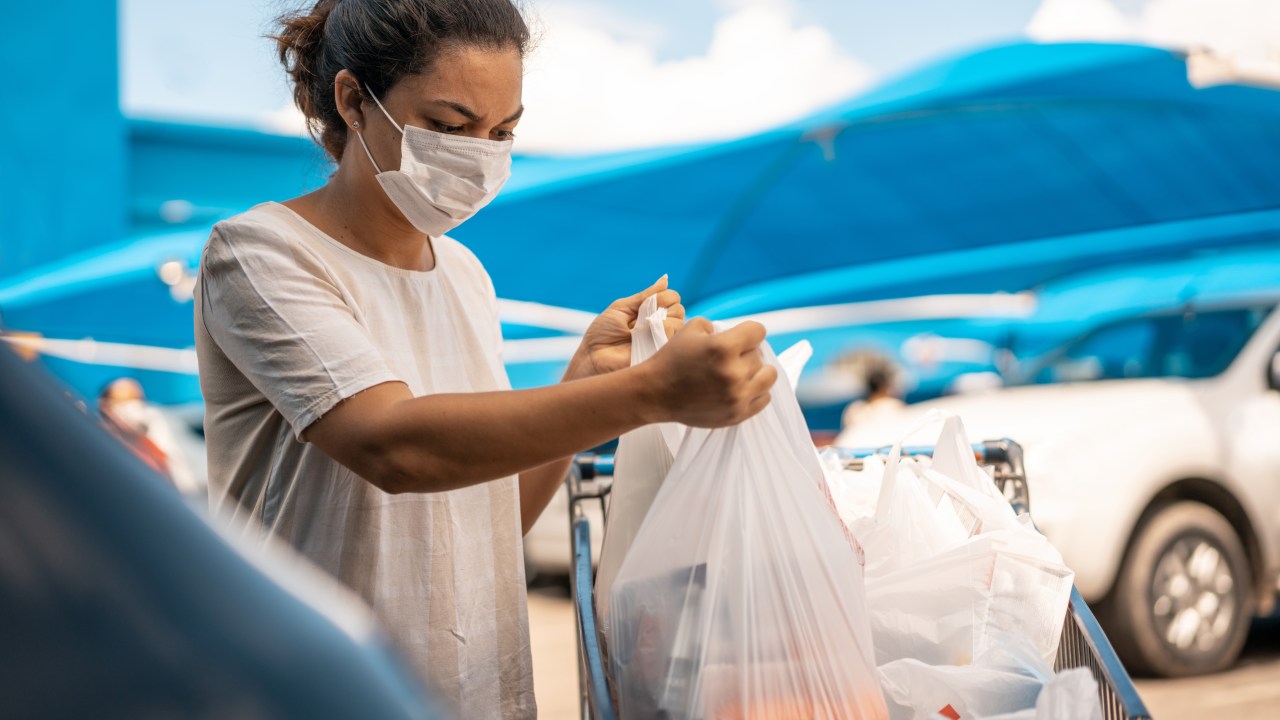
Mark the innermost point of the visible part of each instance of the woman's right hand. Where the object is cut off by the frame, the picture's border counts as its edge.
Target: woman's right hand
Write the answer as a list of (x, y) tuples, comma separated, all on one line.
[(709, 379)]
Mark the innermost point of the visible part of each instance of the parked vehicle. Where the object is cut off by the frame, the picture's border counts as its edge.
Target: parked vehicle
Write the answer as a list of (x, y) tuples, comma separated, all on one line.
[(1153, 464)]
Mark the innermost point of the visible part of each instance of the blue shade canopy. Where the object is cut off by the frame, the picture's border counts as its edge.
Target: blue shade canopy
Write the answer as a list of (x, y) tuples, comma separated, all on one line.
[(995, 171), (1005, 150)]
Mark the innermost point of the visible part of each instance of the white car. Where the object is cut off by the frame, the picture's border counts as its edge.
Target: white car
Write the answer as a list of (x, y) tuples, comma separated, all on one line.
[(1152, 449)]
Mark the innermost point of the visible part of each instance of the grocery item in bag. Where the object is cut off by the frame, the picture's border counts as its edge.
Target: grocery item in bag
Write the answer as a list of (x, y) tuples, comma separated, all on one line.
[(742, 597)]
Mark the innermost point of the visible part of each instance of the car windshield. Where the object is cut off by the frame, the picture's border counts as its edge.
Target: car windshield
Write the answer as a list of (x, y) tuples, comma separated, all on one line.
[(1197, 344)]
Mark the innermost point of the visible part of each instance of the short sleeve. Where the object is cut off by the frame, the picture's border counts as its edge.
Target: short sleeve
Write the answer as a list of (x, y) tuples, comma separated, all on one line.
[(276, 313), (495, 313)]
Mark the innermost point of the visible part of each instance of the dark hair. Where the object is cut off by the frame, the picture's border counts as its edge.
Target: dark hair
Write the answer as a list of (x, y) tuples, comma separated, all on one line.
[(380, 42), (879, 379)]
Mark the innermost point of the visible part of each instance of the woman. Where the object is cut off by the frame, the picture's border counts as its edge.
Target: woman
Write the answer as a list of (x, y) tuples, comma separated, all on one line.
[(350, 352)]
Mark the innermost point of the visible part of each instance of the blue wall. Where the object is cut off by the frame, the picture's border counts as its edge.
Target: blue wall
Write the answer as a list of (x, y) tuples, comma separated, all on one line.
[(63, 164), (195, 175)]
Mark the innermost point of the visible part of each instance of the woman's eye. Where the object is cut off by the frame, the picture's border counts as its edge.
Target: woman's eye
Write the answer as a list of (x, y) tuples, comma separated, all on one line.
[(505, 134), (447, 128)]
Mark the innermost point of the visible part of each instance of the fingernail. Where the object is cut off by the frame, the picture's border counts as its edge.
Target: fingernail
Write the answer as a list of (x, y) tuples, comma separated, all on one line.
[(664, 277)]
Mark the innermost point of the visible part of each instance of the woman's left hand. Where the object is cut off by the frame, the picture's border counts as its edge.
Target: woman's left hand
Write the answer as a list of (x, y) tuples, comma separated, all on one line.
[(606, 345)]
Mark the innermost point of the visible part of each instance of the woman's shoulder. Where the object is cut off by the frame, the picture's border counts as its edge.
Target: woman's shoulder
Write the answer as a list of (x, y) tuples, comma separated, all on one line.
[(269, 221), (264, 236)]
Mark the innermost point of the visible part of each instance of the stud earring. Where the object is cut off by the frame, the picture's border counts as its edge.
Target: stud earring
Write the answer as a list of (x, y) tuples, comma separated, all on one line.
[(356, 124)]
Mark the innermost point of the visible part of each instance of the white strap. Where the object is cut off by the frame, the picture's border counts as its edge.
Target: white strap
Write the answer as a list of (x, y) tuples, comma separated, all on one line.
[(360, 137), (391, 120)]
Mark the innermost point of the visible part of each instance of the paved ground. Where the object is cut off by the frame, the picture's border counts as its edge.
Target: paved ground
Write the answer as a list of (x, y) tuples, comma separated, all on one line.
[(1250, 691), (555, 671)]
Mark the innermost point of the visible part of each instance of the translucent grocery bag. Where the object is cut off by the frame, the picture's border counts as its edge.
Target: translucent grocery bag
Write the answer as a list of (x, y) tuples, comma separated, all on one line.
[(950, 567), (1006, 678), (1007, 682), (642, 460), (949, 609), (645, 454), (742, 595)]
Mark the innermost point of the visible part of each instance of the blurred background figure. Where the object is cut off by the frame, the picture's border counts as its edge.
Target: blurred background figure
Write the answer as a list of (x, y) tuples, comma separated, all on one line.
[(880, 376), (145, 429)]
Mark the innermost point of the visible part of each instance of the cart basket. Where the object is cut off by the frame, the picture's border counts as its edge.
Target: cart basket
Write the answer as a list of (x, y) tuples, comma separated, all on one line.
[(1083, 642)]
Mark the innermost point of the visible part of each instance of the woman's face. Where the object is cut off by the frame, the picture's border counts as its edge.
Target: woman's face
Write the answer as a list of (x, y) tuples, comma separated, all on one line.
[(470, 91)]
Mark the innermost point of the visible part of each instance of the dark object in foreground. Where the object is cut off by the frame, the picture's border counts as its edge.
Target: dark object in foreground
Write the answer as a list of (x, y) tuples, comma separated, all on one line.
[(117, 600)]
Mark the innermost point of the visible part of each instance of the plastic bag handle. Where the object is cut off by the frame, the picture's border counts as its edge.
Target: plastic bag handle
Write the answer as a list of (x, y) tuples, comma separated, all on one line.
[(649, 333), (647, 337), (888, 481)]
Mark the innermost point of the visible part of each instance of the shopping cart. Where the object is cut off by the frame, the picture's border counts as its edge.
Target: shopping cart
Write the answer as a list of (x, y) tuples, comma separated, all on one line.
[(1083, 643)]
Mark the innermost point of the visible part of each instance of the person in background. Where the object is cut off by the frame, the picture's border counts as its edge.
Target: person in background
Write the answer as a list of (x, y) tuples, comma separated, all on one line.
[(350, 351), (145, 430), (883, 396)]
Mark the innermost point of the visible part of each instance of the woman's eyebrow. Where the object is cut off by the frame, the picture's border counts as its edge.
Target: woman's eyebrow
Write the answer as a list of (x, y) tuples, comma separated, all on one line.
[(461, 109), (473, 116)]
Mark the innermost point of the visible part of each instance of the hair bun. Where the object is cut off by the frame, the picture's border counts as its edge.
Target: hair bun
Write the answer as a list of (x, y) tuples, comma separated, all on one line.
[(300, 43)]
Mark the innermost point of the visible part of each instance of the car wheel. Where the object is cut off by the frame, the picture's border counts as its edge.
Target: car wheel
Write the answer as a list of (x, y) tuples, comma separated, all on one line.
[(1184, 596)]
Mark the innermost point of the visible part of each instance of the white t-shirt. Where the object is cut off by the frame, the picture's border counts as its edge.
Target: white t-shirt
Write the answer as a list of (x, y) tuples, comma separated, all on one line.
[(289, 322)]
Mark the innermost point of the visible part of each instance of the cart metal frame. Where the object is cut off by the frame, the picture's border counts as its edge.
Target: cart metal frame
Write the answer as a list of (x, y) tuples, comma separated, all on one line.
[(1083, 642)]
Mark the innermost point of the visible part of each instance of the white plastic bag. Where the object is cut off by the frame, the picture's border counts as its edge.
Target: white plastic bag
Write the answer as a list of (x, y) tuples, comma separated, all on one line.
[(1070, 695), (854, 492), (645, 454), (952, 607), (742, 596), (1007, 683), (1007, 678), (793, 359), (949, 565), (907, 527), (641, 462)]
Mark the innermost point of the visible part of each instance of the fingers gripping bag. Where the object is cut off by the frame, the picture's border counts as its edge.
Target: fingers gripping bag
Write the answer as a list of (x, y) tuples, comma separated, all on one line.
[(742, 595), (642, 460)]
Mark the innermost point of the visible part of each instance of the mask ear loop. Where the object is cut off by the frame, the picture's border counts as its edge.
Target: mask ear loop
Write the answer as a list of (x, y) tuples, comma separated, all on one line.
[(360, 134), (394, 124), (360, 137)]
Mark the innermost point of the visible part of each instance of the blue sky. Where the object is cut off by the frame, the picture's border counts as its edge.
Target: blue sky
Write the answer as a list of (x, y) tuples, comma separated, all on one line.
[(607, 72)]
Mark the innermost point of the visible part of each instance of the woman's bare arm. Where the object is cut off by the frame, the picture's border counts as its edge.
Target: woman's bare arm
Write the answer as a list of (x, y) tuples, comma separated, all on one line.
[(537, 487), (402, 443)]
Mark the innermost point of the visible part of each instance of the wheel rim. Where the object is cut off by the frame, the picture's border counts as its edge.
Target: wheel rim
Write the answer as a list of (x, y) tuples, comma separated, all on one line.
[(1194, 596)]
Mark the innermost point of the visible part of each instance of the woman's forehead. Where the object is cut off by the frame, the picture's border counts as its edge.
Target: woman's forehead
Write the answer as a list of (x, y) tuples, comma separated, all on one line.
[(487, 80)]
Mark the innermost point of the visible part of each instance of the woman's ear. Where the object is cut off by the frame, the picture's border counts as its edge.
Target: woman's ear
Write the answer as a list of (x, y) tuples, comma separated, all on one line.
[(348, 97)]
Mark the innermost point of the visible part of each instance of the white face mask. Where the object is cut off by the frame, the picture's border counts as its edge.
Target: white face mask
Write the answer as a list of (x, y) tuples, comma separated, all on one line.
[(443, 179)]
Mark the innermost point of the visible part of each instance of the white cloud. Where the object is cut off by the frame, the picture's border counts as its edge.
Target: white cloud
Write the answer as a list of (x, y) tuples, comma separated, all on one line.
[(1245, 31), (587, 90), (1248, 28), (1066, 20)]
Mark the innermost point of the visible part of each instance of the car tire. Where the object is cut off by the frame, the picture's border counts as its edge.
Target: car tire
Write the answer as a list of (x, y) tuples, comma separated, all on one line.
[(1184, 596)]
